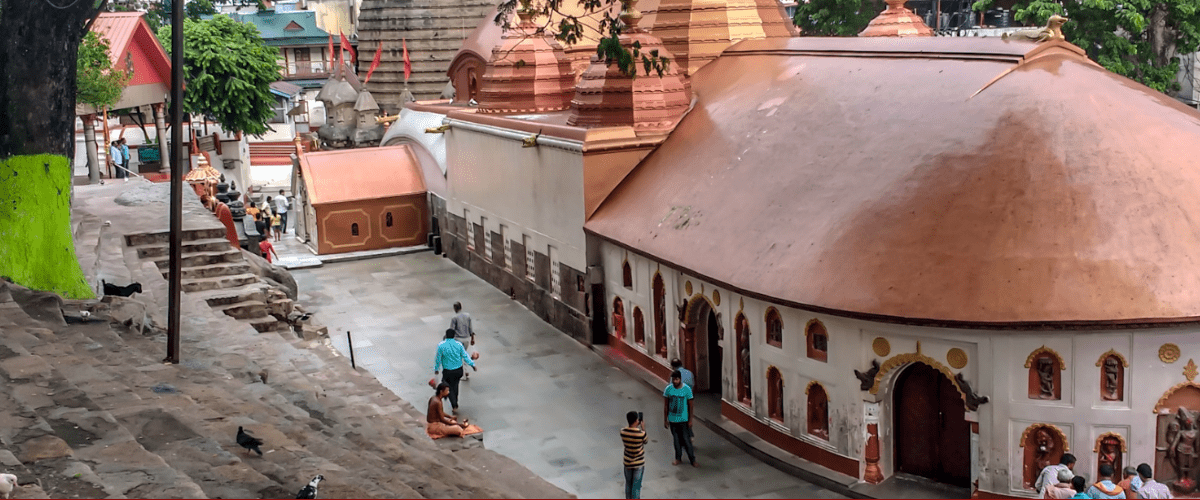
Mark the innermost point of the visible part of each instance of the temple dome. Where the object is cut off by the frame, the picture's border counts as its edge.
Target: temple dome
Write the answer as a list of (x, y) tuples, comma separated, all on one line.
[(696, 31), (528, 73), (650, 104), (897, 20)]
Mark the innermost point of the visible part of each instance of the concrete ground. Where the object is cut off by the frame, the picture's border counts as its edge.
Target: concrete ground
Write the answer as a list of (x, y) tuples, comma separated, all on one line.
[(543, 399)]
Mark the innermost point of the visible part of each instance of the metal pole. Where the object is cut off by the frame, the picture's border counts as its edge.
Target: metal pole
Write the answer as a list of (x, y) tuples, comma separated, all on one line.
[(351, 341), (175, 275)]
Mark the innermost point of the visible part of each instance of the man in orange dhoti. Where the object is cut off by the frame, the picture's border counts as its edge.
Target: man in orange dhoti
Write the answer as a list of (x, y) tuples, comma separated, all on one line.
[(438, 424)]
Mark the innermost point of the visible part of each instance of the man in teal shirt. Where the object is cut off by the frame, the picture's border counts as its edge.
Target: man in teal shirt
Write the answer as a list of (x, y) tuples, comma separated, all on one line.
[(677, 412), (451, 355)]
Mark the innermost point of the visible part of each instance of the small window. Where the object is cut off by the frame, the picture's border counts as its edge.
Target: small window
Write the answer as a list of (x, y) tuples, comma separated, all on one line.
[(775, 394), (388, 219), (354, 229), (818, 341), (774, 328), (639, 327), (627, 275)]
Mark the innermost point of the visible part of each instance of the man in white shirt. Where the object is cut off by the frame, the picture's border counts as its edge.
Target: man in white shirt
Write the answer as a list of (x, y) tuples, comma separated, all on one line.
[(1049, 475), (281, 208)]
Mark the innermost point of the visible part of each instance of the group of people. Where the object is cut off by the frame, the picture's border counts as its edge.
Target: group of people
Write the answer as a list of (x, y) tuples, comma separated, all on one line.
[(118, 158), (1060, 481), (451, 360), (274, 219), (678, 409)]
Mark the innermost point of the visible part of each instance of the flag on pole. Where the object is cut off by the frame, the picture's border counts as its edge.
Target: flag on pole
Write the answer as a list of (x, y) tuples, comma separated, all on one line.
[(374, 63), (407, 63), (346, 45), (331, 51)]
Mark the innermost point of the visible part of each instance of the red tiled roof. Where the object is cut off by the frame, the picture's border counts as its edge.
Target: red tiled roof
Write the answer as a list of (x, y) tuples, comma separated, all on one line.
[(121, 29), (361, 174)]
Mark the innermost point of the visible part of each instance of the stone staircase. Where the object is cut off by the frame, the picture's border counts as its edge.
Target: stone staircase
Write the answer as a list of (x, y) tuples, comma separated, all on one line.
[(218, 274), (88, 410)]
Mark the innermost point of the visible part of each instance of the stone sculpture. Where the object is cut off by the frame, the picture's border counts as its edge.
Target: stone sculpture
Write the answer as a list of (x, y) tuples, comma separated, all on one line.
[(971, 398), (1043, 455), (1182, 449), (1110, 452), (1045, 371), (1111, 379)]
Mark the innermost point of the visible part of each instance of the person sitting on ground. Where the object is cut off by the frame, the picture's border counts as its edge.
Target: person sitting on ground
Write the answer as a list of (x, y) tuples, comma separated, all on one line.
[(438, 424), (689, 378), (1079, 484), (1132, 483), (1063, 488), (1104, 486), (1050, 473), (1151, 488)]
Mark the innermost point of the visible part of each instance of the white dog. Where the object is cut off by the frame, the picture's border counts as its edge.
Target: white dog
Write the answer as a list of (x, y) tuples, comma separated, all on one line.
[(7, 483)]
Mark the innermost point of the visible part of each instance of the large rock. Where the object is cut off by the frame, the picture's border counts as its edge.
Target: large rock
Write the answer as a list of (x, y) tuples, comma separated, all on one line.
[(272, 274), (43, 448), (41, 306)]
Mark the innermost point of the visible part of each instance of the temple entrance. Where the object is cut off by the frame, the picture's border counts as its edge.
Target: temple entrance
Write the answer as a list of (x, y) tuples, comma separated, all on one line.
[(932, 436), (700, 351)]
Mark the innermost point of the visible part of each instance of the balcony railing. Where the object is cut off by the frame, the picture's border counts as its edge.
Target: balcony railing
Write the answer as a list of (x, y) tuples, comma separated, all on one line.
[(306, 70)]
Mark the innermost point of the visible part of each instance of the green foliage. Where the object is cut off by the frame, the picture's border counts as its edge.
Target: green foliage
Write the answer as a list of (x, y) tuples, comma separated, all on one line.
[(36, 247), (835, 17), (570, 30), (228, 73), (97, 82), (160, 14), (1138, 39)]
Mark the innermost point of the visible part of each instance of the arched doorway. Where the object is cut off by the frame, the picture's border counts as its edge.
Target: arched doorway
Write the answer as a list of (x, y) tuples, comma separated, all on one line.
[(700, 350), (932, 435)]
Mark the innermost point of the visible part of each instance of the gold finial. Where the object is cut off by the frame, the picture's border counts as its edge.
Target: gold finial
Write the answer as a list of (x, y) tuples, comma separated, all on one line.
[(631, 16)]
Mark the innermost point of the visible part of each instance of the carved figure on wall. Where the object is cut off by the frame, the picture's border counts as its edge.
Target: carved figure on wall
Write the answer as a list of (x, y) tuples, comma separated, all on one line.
[(681, 309), (1045, 371), (867, 379), (618, 319), (744, 376), (1182, 448), (1110, 453), (1044, 446), (1043, 454), (1112, 368), (971, 399)]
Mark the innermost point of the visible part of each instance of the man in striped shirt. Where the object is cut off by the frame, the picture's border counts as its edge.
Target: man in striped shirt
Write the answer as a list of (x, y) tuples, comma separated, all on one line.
[(634, 439), (451, 355)]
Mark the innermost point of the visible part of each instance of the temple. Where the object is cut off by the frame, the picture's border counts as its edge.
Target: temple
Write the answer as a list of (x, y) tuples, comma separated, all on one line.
[(952, 258)]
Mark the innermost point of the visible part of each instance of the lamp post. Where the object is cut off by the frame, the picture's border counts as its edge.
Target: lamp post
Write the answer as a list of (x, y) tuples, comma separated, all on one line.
[(175, 274)]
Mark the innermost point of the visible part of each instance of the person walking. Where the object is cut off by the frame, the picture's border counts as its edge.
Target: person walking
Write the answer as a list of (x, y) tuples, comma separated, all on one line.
[(267, 249), (1151, 488), (689, 378), (114, 158), (634, 440), (677, 412), (276, 224), (281, 208), (463, 332), (450, 356), (124, 157)]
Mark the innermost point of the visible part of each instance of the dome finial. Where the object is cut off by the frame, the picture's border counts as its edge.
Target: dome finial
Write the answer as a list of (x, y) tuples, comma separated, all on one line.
[(897, 21), (630, 16)]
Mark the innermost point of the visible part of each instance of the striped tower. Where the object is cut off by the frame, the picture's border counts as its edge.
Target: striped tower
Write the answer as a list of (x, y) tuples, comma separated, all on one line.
[(697, 31)]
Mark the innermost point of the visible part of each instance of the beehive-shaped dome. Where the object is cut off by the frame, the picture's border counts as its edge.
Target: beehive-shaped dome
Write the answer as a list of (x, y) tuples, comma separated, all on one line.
[(897, 20), (697, 31), (528, 72), (649, 103)]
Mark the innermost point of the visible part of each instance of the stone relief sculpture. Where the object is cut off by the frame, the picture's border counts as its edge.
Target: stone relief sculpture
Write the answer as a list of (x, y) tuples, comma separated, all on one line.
[(1112, 368), (867, 379), (1110, 453), (970, 398), (1044, 445), (1045, 371), (1044, 452), (1181, 447)]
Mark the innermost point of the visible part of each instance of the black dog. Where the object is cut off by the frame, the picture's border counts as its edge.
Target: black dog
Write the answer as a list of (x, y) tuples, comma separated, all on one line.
[(123, 291)]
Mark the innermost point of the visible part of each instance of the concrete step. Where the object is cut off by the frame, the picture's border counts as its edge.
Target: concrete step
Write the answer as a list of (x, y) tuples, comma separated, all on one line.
[(142, 239), (197, 259), (266, 323), (215, 270), (226, 296), (189, 246), (218, 282), (246, 309)]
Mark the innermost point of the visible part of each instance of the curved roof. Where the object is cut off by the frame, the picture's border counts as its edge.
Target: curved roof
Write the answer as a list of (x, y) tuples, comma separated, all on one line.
[(859, 176), (361, 174)]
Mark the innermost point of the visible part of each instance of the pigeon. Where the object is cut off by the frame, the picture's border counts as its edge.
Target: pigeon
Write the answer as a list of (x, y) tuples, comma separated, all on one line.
[(249, 442), (9, 481), (310, 491)]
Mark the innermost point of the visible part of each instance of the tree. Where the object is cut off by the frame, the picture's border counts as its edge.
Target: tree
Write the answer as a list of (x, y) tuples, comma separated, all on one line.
[(160, 14), (1138, 39), (835, 17), (229, 70), (98, 82)]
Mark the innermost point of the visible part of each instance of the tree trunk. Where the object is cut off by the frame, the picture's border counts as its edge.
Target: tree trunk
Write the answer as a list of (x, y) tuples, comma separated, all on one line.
[(1161, 35), (89, 142)]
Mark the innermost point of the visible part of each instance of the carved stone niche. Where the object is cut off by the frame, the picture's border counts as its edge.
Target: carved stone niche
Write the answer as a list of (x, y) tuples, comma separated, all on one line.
[(1112, 376), (1110, 449), (1177, 446), (1045, 374), (1044, 445)]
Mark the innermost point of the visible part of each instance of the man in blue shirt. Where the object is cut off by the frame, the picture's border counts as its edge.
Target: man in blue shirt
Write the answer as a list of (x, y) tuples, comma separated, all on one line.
[(450, 356), (1105, 488), (124, 158), (677, 413), (689, 378)]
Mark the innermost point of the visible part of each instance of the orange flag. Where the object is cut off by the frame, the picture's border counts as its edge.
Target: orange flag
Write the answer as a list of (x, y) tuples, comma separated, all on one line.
[(374, 63), (346, 45), (407, 63), (331, 51)]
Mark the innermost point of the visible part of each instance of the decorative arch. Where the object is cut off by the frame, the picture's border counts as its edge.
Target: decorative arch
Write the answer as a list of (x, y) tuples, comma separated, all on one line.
[(1110, 352), (775, 393), (692, 312), (741, 327), (816, 340), (818, 410), (1044, 445), (659, 291), (1170, 399), (1120, 438), (639, 327), (618, 318), (900, 360), (627, 274), (1044, 381), (1110, 449), (774, 326)]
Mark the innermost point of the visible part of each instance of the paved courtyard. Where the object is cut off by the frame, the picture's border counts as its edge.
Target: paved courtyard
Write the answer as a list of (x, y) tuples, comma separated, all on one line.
[(543, 399)]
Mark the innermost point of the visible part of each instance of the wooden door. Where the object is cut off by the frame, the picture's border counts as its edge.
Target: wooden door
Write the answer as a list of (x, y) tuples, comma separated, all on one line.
[(932, 435), (712, 365)]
